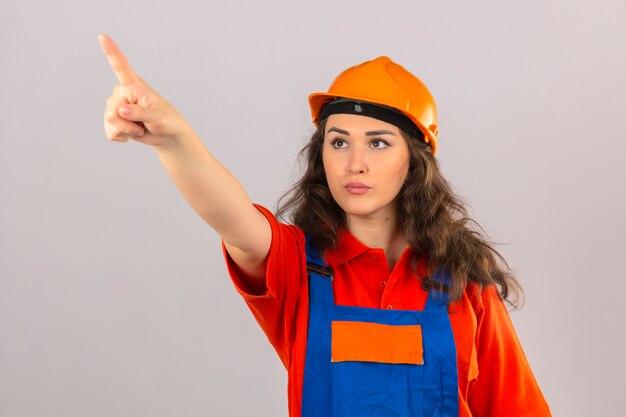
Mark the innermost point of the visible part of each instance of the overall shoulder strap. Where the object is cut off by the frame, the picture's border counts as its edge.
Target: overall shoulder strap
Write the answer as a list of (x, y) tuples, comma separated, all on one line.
[(314, 262), (438, 300), (320, 286)]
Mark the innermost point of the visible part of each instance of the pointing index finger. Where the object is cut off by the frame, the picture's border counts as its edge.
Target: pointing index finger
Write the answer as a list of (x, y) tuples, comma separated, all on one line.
[(122, 68)]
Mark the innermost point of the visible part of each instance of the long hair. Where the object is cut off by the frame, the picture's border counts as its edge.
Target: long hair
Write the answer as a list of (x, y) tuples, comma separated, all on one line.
[(431, 216)]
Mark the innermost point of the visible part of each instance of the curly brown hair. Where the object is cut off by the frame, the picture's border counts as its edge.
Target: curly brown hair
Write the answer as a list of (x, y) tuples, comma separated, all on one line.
[(432, 217)]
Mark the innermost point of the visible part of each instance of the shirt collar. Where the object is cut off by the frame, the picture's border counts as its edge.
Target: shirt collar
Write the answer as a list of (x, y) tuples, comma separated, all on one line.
[(348, 248)]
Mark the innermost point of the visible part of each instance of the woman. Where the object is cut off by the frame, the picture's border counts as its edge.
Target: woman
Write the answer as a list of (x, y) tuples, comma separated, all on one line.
[(379, 300)]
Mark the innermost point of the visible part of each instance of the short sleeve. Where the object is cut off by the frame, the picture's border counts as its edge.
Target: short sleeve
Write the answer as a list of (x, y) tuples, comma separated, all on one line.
[(285, 274), (505, 385)]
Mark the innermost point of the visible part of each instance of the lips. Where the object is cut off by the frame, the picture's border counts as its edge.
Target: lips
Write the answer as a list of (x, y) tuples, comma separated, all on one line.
[(356, 188)]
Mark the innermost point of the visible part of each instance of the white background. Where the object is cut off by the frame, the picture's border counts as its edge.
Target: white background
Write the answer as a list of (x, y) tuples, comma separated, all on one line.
[(114, 299)]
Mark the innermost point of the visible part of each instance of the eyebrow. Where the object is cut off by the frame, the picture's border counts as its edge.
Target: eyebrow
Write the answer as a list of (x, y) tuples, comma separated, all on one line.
[(379, 132), (370, 133), (340, 131)]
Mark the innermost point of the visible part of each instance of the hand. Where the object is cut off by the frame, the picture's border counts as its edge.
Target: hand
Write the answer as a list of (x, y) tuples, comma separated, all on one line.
[(134, 110)]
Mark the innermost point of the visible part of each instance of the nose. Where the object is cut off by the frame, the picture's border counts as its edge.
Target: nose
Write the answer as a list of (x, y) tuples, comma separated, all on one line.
[(356, 162)]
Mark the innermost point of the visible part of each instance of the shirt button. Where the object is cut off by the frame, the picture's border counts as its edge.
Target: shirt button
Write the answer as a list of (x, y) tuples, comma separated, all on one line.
[(383, 283), (374, 258), (389, 307)]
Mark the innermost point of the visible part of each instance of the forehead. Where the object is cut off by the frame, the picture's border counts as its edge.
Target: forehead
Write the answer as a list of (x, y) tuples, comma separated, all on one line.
[(358, 124)]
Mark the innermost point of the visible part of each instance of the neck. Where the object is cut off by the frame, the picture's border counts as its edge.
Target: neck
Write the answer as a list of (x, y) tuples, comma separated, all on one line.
[(380, 232)]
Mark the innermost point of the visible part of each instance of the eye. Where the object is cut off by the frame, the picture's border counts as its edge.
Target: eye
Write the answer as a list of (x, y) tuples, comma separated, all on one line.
[(379, 143), (338, 143)]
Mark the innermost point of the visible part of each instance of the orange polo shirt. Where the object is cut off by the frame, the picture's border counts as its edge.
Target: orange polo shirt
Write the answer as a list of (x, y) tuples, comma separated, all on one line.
[(495, 378)]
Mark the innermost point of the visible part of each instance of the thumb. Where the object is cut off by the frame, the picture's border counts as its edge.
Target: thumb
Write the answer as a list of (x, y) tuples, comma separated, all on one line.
[(137, 113)]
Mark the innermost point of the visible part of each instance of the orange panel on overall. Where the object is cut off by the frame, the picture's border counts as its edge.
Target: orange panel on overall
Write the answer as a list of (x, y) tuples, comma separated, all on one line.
[(373, 342)]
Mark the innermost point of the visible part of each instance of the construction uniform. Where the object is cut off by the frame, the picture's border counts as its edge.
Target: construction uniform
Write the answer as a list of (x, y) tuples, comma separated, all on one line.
[(368, 341)]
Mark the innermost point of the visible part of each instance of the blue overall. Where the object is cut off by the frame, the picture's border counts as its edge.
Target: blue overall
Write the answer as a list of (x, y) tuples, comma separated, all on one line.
[(374, 389)]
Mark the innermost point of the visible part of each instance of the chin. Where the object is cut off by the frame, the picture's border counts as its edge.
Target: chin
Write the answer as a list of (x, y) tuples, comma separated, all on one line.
[(362, 209)]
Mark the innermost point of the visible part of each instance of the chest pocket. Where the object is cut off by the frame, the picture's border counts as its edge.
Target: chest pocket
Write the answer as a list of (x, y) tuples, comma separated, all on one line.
[(374, 342)]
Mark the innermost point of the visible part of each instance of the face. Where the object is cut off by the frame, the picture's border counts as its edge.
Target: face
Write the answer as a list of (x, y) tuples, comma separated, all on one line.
[(366, 162)]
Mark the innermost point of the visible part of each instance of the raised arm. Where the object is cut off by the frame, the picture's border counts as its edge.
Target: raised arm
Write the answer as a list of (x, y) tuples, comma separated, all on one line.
[(135, 111)]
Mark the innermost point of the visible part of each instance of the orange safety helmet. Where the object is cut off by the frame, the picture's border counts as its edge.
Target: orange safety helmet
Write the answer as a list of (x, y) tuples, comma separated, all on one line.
[(382, 81)]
